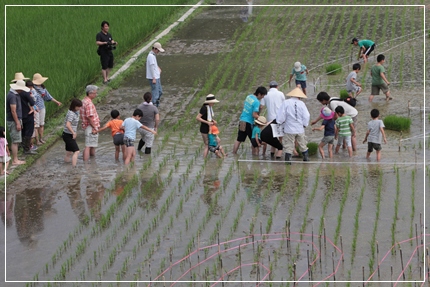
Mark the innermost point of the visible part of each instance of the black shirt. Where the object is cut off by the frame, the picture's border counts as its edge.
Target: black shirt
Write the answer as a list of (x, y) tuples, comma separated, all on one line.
[(26, 100), (102, 37)]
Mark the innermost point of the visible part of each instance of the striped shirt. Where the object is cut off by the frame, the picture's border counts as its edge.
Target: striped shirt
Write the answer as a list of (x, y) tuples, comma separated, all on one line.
[(343, 124), (73, 118), (41, 95)]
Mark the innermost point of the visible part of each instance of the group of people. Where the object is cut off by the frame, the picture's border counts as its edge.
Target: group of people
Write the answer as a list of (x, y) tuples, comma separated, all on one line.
[(145, 119), (284, 128), (25, 117)]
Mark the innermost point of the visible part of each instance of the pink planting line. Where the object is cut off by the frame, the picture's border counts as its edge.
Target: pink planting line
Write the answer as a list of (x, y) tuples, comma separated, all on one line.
[(240, 266), (253, 242), (389, 252)]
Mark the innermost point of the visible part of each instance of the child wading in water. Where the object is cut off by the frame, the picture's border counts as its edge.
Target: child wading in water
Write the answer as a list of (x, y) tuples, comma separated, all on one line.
[(375, 129), (344, 129), (130, 126), (352, 86), (214, 142), (256, 142), (117, 133), (329, 133), (4, 152), (69, 131)]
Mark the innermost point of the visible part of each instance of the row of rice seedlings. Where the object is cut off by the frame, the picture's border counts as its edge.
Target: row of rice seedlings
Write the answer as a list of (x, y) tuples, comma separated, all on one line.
[(412, 202), (396, 207), (309, 201), (342, 205), (325, 203), (340, 25), (357, 218), (372, 242), (296, 194)]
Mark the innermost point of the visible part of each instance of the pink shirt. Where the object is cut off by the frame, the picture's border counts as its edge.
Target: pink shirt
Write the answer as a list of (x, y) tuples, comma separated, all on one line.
[(3, 143)]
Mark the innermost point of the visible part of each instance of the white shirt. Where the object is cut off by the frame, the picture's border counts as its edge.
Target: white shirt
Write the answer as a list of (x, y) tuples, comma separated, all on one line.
[(273, 101), (152, 70), (294, 115), (349, 110)]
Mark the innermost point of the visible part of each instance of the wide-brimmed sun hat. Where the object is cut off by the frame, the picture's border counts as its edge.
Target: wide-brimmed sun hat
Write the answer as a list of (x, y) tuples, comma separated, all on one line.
[(297, 66), (158, 47), (261, 120), (298, 93), (214, 129), (38, 79), (19, 76), (20, 86), (326, 113), (210, 99)]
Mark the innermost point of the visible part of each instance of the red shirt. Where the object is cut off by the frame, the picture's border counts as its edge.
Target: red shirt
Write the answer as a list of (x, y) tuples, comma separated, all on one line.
[(89, 110)]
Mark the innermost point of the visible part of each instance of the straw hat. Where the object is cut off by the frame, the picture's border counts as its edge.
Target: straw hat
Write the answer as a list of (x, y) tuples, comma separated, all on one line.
[(20, 86), (326, 113), (298, 93), (210, 99), (261, 120), (38, 79), (214, 129), (19, 76)]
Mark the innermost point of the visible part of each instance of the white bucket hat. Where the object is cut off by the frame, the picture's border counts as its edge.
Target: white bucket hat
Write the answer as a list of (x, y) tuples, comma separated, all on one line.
[(19, 76), (20, 86), (297, 66)]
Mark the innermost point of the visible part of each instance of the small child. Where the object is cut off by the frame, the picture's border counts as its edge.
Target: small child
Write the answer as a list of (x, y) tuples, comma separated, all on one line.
[(215, 142), (344, 129), (117, 133), (4, 152), (328, 126), (352, 86), (256, 142), (130, 126), (375, 128), (69, 131)]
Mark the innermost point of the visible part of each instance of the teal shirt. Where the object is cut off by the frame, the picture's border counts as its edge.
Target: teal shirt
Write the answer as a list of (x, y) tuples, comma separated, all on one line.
[(212, 140), (256, 130), (301, 75), (365, 43), (252, 104)]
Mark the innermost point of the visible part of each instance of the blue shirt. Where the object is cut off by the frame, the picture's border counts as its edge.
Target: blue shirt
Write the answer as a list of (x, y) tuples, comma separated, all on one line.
[(256, 130), (252, 104), (328, 127), (212, 140), (41, 95), (300, 75), (131, 125)]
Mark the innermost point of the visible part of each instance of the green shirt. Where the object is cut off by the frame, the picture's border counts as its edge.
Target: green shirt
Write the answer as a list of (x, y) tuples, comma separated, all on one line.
[(376, 75), (343, 124), (365, 43)]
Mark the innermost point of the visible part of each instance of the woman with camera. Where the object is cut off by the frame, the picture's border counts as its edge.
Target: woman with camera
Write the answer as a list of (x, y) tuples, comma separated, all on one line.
[(106, 45)]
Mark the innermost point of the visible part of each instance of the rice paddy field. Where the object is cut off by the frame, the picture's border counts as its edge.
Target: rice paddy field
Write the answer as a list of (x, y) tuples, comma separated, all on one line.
[(176, 219)]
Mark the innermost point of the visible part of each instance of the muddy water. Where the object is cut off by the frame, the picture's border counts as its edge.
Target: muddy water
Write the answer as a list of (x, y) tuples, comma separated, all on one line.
[(52, 202)]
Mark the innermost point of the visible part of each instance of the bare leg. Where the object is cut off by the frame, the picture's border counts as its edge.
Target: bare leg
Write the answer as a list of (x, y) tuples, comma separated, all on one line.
[(67, 156), (378, 155), (337, 148), (236, 146), (387, 96), (41, 128), (104, 73), (75, 158), (321, 150), (123, 152), (350, 151), (330, 150), (86, 155), (15, 159), (117, 152), (354, 143), (1, 168), (205, 151)]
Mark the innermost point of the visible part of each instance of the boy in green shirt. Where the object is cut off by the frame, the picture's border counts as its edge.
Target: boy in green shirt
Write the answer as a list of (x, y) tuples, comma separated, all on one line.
[(344, 129), (379, 80)]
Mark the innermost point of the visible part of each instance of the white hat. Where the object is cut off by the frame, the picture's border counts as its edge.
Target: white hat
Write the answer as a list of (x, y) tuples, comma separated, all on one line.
[(210, 99), (20, 86), (19, 76), (297, 66), (158, 47), (298, 93)]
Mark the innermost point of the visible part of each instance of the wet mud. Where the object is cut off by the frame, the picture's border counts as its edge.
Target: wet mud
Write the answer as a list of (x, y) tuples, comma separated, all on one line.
[(107, 222)]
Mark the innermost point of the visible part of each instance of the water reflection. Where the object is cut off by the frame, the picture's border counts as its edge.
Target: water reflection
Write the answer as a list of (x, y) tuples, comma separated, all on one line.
[(29, 215), (74, 194), (246, 11), (211, 182), (7, 208), (91, 185)]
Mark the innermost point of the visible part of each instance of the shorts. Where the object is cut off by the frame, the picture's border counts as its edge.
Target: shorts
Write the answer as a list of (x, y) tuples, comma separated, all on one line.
[(254, 142), (241, 136), (371, 146), (5, 158), (147, 137), (128, 142), (376, 88), (301, 83), (71, 144), (290, 145), (91, 140), (328, 140), (106, 59), (355, 89), (369, 50), (37, 119), (41, 118), (14, 134), (118, 139), (347, 140), (213, 148)]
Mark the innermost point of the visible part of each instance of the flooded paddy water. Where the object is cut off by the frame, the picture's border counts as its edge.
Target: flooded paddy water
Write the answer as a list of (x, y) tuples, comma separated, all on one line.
[(173, 216)]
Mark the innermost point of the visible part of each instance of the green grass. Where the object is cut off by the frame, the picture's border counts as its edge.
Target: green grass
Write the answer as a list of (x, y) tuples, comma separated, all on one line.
[(312, 148), (397, 123), (63, 44), (343, 94), (333, 69)]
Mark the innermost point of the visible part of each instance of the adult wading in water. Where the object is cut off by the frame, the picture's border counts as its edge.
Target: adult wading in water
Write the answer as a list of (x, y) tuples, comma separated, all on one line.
[(206, 118)]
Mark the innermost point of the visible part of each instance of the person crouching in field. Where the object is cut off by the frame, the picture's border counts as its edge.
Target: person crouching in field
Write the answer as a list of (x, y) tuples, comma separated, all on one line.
[(130, 126), (69, 131), (117, 133)]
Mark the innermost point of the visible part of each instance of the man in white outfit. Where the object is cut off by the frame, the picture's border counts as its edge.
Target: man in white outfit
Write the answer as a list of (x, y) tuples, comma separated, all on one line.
[(153, 72)]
